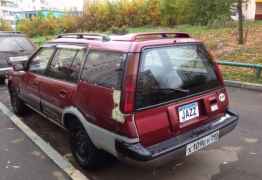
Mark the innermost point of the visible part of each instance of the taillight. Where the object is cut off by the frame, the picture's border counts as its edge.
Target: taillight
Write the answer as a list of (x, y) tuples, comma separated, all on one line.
[(217, 69), (129, 83), (129, 95), (219, 74)]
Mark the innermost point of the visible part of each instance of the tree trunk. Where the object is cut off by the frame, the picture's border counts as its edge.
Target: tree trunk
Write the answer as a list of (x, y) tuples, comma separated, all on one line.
[(240, 22)]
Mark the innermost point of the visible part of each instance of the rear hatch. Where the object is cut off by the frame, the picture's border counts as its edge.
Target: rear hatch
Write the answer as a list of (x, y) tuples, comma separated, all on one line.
[(179, 88)]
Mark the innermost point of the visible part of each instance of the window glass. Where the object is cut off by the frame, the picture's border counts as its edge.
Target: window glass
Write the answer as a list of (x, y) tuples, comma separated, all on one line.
[(76, 66), (39, 63), (61, 65), (170, 73), (15, 44), (104, 68)]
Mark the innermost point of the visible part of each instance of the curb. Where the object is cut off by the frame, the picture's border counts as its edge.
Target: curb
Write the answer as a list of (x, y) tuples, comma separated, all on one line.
[(244, 85), (57, 158)]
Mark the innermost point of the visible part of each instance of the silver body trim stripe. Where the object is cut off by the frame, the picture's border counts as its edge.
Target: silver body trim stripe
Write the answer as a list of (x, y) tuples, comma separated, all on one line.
[(102, 138)]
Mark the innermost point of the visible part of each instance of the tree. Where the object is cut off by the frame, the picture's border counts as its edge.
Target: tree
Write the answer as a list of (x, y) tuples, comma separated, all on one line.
[(5, 26), (240, 20), (167, 8), (208, 11)]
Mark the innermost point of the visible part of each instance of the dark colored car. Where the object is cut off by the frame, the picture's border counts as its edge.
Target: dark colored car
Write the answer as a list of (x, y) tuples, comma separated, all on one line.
[(144, 98), (14, 47)]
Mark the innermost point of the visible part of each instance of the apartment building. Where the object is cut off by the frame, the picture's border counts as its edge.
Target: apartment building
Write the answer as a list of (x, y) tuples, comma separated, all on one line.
[(8, 9), (252, 10)]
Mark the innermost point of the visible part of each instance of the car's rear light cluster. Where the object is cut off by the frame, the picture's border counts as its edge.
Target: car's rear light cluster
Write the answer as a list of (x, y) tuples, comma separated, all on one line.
[(129, 95), (217, 69), (129, 85), (219, 74)]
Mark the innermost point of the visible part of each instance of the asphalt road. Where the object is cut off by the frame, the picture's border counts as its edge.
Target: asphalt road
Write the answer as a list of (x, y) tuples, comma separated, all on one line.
[(237, 156)]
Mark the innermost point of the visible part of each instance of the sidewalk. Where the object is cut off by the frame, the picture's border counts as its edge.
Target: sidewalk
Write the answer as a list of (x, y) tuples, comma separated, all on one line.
[(20, 159)]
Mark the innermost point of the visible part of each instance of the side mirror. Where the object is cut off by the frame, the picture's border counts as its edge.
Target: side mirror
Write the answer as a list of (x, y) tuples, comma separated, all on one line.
[(18, 59), (19, 63), (18, 67)]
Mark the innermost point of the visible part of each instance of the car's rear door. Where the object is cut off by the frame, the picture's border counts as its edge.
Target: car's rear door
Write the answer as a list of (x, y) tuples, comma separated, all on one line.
[(60, 83), (34, 75), (178, 90)]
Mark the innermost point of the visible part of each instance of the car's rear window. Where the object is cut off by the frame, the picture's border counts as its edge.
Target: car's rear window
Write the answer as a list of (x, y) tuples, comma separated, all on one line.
[(15, 44), (170, 73)]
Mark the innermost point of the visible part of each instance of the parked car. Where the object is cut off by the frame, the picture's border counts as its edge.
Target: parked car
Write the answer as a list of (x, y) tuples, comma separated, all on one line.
[(144, 98), (14, 48)]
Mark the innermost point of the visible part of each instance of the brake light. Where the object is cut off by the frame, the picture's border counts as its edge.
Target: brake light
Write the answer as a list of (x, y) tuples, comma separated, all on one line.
[(217, 69), (219, 74), (129, 85), (129, 95)]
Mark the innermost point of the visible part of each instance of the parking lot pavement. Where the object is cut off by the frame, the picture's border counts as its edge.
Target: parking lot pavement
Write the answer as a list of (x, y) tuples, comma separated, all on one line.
[(20, 159), (237, 156)]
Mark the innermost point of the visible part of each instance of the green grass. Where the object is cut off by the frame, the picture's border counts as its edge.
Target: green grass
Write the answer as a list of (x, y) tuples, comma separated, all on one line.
[(40, 40)]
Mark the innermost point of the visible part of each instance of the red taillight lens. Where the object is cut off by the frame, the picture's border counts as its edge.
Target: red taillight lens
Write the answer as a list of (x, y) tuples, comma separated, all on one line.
[(217, 69), (129, 85), (129, 95), (219, 74)]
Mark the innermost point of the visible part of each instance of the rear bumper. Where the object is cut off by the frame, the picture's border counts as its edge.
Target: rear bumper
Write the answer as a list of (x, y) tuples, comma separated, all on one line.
[(174, 148)]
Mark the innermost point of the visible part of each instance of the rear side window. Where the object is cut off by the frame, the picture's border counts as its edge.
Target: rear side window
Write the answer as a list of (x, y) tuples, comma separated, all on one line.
[(104, 68), (66, 64), (170, 73)]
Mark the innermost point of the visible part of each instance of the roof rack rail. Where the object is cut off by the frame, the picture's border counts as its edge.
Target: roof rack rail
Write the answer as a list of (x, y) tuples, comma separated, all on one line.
[(90, 36), (10, 32), (161, 34), (151, 35)]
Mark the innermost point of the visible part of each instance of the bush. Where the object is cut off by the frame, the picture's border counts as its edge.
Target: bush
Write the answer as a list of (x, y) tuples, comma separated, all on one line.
[(104, 15), (46, 26), (121, 31), (5, 26), (117, 15), (206, 12)]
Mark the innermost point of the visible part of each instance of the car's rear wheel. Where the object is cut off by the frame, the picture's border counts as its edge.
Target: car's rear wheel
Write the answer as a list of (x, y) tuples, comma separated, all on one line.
[(17, 104), (84, 151)]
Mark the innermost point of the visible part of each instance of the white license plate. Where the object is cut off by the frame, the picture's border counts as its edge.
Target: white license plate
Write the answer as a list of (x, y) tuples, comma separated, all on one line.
[(202, 143), (188, 112)]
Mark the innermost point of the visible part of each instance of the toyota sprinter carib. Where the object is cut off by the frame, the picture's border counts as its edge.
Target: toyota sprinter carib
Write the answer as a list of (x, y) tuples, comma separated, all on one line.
[(143, 98)]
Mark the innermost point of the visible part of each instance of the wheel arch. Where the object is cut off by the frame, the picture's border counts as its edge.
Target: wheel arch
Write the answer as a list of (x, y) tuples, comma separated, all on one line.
[(100, 137)]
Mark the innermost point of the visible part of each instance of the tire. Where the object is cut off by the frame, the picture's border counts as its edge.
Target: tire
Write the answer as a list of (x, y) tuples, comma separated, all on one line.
[(83, 150), (17, 104), (2, 80)]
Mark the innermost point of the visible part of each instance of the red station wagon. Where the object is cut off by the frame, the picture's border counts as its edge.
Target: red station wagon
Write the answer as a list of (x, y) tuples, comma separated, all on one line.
[(143, 98)]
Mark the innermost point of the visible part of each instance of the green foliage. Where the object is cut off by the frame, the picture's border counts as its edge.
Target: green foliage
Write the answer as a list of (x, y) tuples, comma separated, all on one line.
[(112, 16), (201, 12), (119, 30), (5, 26), (207, 12), (45, 26), (104, 15)]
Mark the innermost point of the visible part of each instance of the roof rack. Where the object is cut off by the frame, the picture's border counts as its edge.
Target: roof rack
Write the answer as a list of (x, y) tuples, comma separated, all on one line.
[(89, 36), (151, 35), (10, 32)]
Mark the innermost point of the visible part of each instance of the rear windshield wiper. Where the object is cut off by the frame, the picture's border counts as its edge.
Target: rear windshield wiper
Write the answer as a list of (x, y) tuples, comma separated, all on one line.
[(173, 90)]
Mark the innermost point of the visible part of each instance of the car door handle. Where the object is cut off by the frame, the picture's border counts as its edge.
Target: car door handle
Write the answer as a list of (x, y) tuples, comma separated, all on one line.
[(62, 94), (35, 83)]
